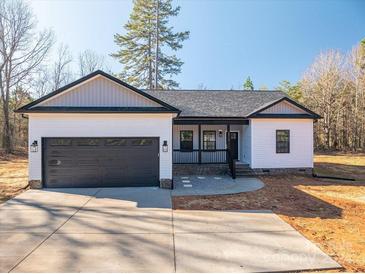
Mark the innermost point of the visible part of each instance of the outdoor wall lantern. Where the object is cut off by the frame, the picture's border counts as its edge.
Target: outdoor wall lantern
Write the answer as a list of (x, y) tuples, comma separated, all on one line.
[(165, 147), (34, 146), (220, 133)]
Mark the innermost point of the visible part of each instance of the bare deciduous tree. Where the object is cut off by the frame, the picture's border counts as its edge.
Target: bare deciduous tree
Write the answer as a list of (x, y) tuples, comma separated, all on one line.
[(356, 75), (41, 83), (50, 77), (20, 125), (61, 71), (22, 50), (323, 88), (334, 86), (90, 61)]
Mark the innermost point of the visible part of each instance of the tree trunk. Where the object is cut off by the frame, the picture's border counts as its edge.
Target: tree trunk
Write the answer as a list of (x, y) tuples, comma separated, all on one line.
[(157, 42), (150, 73), (7, 140)]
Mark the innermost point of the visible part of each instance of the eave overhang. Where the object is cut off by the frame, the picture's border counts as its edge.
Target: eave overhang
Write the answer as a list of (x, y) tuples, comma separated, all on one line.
[(96, 110), (310, 114)]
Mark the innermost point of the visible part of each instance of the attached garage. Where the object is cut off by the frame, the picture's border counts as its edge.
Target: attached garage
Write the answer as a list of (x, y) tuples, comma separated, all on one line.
[(99, 132), (101, 162)]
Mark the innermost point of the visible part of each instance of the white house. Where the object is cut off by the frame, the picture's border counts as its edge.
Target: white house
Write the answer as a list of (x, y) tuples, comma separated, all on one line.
[(100, 131)]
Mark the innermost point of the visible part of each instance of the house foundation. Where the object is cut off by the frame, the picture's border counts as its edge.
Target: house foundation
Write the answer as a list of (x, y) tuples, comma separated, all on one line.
[(278, 171), (204, 169), (35, 184)]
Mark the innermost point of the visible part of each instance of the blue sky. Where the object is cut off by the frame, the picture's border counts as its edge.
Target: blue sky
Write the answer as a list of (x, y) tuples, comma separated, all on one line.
[(269, 41)]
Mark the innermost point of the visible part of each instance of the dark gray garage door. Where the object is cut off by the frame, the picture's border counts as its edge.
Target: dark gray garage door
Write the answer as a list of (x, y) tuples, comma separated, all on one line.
[(95, 162)]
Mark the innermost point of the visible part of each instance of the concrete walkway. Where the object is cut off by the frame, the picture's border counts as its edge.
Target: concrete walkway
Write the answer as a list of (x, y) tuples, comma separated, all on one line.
[(214, 185), (135, 230)]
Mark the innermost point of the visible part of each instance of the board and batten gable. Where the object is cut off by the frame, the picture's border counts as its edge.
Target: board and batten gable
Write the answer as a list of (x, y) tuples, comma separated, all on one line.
[(263, 143), (42, 125), (283, 107), (98, 92)]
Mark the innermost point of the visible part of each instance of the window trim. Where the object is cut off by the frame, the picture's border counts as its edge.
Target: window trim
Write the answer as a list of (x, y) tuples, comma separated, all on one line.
[(215, 140), (141, 142), (112, 143), (192, 140), (52, 144), (83, 142), (276, 141)]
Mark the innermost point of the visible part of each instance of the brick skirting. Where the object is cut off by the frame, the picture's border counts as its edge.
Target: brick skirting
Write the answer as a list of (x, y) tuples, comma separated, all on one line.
[(196, 169), (274, 171), (222, 169), (166, 183), (35, 184)]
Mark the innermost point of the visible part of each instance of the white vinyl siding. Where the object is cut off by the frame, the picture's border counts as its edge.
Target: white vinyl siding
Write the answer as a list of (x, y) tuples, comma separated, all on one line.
[(246, 144), (263, 144), (100, 125), (99, 92), (283, 108)]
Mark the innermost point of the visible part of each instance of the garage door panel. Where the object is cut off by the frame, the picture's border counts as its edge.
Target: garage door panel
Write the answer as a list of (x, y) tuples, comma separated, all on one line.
[(115, 167), (70, 170), (60, 153), (67, 181), (82, 174), (88, 163), (93, 162), (61, 164)]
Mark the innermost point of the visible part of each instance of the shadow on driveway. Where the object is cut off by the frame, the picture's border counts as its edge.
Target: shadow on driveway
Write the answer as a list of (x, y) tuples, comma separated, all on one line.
[(135, 230)]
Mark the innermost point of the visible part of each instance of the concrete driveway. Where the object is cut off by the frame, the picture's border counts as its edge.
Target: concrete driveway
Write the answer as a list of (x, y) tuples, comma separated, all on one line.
[(135, 230)]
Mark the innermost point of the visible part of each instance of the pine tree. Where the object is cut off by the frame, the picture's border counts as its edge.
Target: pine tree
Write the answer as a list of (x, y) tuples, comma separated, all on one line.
[(293, 91), (362, 54), (143, 49), (248, 84)]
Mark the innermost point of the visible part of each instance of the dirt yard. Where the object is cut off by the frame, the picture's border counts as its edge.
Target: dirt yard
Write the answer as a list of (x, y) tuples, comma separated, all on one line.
[(331, 213), (13, 176)]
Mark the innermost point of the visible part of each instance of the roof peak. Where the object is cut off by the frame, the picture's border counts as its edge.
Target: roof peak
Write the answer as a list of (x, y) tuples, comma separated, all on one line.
[(214, 90)]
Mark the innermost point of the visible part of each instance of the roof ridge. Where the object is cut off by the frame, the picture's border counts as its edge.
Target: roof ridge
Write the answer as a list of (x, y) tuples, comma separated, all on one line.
[(209, 90)]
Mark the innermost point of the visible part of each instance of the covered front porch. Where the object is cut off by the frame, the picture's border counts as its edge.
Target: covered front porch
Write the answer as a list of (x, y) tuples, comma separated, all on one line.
[(211, 141)]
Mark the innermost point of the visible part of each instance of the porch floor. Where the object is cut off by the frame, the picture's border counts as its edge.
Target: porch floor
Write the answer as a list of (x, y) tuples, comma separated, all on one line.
[(213, 185)]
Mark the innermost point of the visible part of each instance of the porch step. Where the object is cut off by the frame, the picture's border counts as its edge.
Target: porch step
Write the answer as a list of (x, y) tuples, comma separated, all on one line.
[(243, 174), (243, 170), (240, 164)]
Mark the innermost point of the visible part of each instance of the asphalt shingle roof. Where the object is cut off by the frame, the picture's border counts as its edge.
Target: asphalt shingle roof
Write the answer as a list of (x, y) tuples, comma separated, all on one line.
[(216, 103)]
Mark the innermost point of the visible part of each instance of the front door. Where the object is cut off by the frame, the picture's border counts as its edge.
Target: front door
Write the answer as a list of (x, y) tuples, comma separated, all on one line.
[(233, 144)]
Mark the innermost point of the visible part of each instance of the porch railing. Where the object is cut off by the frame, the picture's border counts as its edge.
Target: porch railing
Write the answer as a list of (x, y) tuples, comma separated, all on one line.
[(218, 156)]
